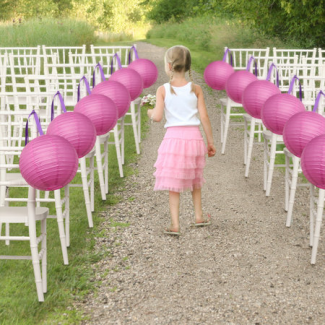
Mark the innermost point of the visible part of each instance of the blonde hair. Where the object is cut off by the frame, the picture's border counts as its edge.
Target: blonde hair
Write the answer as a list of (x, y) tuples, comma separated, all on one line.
[(179, 57)]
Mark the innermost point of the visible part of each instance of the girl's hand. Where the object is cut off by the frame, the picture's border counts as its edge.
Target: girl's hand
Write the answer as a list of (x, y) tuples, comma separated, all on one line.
[(149, 112), (211, 150)]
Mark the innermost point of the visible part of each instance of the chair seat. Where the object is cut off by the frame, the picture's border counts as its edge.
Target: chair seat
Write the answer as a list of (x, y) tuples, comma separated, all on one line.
[(20, 214), (224, 101), (268, 135), (14, 179)]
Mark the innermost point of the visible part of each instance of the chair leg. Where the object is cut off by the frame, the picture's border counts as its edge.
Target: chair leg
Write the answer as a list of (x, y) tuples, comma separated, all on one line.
[(250, 146), (287, 183), (245, 139), (271, 165), (311, 214), (100, 169), (85, 188), (226, 127), (293, 187), (319, 217), (134, 125), (92, 183), (44, 258), (266, 157), (67, 214), (106, 165), (59, 217), (139, 121)]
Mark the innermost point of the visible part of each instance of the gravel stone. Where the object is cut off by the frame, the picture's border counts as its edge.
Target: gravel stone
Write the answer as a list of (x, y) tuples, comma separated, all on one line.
[(246, 268)]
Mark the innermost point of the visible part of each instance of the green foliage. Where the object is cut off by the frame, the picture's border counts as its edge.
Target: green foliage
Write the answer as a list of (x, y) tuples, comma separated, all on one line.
[(46, 31)]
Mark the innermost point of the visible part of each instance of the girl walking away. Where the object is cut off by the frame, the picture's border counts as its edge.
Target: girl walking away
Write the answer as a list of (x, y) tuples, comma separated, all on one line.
[(181, 155)]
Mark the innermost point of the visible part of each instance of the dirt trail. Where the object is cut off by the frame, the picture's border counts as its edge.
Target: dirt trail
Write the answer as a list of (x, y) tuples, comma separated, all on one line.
[(247, 268)]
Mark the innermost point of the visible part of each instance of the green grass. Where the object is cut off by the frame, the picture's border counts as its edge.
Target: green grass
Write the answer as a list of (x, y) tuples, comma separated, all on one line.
[(50, 32), (18, 299)]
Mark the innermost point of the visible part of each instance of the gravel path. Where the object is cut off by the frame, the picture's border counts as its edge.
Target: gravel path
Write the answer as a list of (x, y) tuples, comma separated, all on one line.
[(247, 268)]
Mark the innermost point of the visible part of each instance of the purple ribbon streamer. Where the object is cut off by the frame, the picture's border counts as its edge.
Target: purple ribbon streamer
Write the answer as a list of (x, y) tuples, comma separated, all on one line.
[(87, 87), (225, 56), (270, 72), (135, 53), (118, 62), (38, 125), (317, 101), (101, 73), (249, 64), (62, 104), (292, 82)]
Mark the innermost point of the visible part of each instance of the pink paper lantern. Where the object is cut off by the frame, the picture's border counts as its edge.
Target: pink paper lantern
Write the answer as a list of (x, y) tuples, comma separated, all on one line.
[(117, 93), (130, 79), (217, 73), (256, 94), (278, 109), (48, 162), (300, 129), (101, 110), (313, 161), (77, 129), (236, 84), (147, 70)]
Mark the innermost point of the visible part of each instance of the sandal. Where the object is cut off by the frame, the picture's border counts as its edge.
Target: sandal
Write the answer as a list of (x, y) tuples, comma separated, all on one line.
[(168, 231), (204, 223)]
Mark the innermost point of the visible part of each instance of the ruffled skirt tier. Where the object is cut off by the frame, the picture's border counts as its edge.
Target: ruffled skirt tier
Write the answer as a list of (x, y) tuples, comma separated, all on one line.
[(181, 160)]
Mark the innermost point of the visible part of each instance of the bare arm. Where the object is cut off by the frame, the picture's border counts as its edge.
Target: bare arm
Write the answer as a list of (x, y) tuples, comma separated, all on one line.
[(205, 121), (157, 113)]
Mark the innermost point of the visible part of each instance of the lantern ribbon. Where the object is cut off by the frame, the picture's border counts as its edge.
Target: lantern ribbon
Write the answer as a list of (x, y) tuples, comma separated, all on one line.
[(118, 62), (270, 72), (62, 104), (101, 73), (38, 125), (135, 53), (225, 56), (317, 101), (87, 87), (292, 82), (249, 64)]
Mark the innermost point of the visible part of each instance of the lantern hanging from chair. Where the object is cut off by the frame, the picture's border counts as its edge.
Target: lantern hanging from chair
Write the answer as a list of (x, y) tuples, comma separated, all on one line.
[(146, 68), (313, 161), (257, 93), (239, 80), (48, 162), (301, 128), (101, 110), (117, 93), (127, 77), (278, 109), (217, 73), (74, 127)]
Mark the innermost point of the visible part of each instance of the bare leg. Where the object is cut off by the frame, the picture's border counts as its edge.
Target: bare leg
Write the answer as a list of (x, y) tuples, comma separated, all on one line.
[(196, 196), (174, 210)]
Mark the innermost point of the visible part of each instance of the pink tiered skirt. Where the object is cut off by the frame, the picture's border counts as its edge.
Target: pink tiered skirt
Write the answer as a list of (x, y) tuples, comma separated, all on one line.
[(181, 160)]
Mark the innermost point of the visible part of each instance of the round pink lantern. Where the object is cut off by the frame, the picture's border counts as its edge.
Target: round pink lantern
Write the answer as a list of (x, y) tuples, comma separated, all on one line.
[(236, 84), (313, 161), (301, 128), (238, 81), (256, 94), (146, 69), (217, 73), (74, 127), (278, 109), (129, 78), (101, 110), (77, 129), (117, 93), (48, 162)]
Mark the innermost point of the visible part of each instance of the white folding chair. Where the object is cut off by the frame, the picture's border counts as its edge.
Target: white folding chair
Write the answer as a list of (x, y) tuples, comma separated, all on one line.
[(23, 51), (28, 216), (229, 108), (12, 124), (62, 53)]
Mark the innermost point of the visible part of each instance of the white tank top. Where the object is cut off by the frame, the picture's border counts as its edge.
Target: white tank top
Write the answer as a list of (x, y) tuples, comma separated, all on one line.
[(181, 109)]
